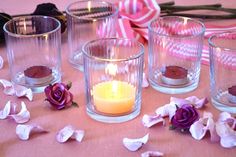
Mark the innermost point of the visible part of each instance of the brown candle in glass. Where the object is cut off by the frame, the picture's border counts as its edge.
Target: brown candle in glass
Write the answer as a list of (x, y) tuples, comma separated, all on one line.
[(174, 75), (38, 74), (232, 94)]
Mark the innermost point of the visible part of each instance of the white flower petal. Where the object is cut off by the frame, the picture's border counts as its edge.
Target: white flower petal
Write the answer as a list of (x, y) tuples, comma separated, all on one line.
[(1, 62), (24, 131), (179, 101), (5, 83), (145, 81), (21, 91), (78, 135), (6, 110), (135, 144), (23, 116), (9, 91), (212, 128), (17, 90), (198, 103), (65, 133), (69, 132), (10, 111), (167, 110), (152, 154), (227, 135), (226, 132), (224, 116), (199, 128), (149, 121)]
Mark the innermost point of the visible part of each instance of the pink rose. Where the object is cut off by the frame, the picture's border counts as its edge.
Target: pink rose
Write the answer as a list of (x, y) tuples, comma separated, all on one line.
[(58, 95)]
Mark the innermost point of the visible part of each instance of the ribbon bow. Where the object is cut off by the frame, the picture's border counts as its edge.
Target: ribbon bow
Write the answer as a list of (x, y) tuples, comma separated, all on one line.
[(135, 17)]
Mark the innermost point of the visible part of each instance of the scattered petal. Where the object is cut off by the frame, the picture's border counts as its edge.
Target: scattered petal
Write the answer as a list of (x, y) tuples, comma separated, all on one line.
[(227, 135), (65, 134), (199, 128), (195, 101), (24, 131), (21, 91), (152, 154), (167, 110), (198, 103), (135, 144), (23, 116), (5, 83), (226, 131), (149, 121), (78, 135), (69, 132), (1, 62), (10, 111), (17, 90), (6, 110), (224, 116), (145, 81)]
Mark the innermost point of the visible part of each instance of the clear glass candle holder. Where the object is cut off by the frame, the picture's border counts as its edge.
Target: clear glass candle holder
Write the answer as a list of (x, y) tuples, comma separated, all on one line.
[(113, 70), (222, 71), (34, 51), (175, 47), (86, 21)]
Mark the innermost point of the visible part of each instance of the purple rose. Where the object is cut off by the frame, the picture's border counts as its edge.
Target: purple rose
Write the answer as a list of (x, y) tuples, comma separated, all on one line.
[(58, 95), (184, 117)]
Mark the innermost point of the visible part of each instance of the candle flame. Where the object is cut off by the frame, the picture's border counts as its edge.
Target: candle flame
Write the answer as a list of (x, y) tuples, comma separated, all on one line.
[(111, 69), (89, 6), (114, 87), (46, 37), (164, 43), (185, 21), (25, 26)]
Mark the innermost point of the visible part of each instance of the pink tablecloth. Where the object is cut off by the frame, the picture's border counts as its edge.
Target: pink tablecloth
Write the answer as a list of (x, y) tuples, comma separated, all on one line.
[(100, 139)]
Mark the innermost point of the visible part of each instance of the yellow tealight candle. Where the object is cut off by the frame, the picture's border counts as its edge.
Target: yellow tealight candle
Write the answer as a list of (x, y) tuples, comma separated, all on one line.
[(114, 97)]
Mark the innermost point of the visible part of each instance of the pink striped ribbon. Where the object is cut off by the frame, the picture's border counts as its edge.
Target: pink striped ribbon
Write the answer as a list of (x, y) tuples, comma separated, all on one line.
[(213, 29), (135, 17), (137, 14)]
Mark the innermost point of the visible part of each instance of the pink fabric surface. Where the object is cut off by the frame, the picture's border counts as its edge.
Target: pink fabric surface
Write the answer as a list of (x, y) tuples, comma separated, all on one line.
[(100, 139)]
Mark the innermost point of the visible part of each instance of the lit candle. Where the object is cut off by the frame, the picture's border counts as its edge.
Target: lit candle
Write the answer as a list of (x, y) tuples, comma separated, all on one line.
[(174, 75), (232, 94), (114, 97), (38, 74)]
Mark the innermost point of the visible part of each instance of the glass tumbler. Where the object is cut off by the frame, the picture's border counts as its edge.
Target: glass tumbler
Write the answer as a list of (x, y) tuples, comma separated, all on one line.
[(88, 20), (113, 71), (223, 71), (34, 51), (175, 47)]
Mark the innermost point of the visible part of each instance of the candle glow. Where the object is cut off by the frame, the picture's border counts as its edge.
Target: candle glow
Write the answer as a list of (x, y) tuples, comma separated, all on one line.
[(113, 97)]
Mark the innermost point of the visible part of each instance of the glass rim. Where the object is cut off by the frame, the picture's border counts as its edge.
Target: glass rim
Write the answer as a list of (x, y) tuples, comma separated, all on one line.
[(137, 55), (28, 17), (150, 28), (68, 12), (216, 35)]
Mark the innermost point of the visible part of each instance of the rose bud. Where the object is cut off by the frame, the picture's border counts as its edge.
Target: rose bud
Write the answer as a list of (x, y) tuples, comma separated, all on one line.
[(59, 96), (50, 9), (3, 19), (184, 117)]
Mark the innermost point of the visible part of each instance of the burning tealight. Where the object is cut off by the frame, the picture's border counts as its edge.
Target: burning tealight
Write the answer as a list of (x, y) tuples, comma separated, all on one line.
[(174, 75), (232, 94), (113, 91), (38, 74), (114, 97)]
